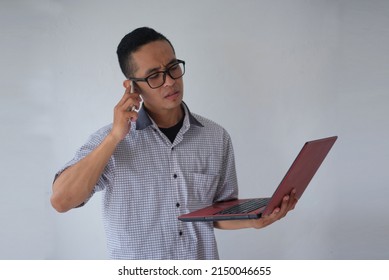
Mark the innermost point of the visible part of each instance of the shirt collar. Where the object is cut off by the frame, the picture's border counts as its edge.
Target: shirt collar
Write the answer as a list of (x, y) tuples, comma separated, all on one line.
[(145, 121)]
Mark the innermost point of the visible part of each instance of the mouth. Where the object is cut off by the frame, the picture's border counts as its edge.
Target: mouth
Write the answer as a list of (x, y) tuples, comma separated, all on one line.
[(172, 95)]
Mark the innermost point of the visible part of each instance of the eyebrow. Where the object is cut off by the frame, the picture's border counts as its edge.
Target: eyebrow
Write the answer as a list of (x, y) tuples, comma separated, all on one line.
[(159, 68)]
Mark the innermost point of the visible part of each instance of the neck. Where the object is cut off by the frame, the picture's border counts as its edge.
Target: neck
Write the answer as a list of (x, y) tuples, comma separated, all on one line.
[(167, 118)]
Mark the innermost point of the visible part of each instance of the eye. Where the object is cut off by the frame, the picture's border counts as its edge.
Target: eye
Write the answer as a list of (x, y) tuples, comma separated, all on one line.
[(155, 76), (174, 67)]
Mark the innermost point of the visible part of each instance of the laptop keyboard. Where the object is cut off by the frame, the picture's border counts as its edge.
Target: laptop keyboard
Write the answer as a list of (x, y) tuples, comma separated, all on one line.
[(246, 207)]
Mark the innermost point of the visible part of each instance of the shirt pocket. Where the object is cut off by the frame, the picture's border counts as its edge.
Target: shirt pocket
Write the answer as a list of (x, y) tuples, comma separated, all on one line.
[(201, 190)]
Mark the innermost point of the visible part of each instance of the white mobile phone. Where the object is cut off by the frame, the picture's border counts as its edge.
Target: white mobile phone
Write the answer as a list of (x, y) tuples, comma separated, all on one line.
[(132, 87), (132, 90)]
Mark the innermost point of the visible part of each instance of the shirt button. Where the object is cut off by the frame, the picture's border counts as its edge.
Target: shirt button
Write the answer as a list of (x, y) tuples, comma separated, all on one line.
[(175, 176), (180, 233), (177, 205)]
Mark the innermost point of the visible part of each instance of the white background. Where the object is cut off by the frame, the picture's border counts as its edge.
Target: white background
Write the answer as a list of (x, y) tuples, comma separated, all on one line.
[(273, 73)]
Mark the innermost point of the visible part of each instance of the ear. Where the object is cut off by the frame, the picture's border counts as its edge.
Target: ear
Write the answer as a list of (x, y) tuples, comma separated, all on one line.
[(126, 83)]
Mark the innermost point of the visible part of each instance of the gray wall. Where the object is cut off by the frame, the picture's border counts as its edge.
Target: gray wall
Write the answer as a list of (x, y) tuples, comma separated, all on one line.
[(273, 73)]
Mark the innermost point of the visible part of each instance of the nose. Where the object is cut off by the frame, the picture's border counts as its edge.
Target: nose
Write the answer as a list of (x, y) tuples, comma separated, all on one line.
[(169, 81)]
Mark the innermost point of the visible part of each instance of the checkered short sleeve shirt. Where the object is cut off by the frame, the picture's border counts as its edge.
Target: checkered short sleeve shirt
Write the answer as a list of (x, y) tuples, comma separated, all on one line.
[(149, 181)]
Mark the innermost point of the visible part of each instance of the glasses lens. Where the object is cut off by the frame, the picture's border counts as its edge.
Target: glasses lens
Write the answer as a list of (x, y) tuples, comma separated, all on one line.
[(156, 80), (177, 70)]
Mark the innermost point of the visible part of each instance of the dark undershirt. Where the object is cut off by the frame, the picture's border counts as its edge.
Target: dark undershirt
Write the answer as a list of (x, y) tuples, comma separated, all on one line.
[(171, 132)]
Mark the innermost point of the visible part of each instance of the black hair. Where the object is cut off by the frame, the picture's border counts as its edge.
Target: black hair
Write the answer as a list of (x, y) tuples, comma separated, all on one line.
[(131, 43)]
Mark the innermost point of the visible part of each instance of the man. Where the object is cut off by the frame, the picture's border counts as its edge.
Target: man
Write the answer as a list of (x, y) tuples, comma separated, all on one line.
[(156, 163)]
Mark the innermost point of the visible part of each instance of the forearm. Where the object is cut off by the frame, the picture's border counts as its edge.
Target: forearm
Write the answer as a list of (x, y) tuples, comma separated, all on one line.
[(233, 224), (76, 183)]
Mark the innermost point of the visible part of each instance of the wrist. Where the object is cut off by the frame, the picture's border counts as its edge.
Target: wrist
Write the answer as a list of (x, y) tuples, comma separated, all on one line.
[(112, 139)]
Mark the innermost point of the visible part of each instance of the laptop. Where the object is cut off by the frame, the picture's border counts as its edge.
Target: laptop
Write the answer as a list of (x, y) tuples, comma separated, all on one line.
[(298, 177)]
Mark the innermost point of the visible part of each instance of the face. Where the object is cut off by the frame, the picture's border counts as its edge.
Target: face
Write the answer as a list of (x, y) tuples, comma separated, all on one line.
[(150, 58)]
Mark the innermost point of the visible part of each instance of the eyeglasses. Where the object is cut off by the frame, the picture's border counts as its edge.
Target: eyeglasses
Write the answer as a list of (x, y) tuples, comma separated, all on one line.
[(157, 79)]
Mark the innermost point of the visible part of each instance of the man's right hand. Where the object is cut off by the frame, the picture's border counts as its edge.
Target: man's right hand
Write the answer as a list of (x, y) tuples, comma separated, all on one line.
[(123, 113)]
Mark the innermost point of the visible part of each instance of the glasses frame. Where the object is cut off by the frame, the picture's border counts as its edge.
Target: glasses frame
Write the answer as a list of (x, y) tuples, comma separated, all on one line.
[(166, 71)]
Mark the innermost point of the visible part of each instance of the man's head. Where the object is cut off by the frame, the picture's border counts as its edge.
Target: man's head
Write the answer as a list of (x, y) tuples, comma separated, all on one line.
[(132, 42), (148, 59)]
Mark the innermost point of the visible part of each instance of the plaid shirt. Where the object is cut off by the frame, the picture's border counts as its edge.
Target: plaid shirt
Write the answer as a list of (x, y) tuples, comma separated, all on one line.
[(149, 181)]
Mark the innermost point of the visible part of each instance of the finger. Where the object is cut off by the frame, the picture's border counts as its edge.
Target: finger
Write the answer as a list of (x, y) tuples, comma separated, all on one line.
[(132, 103), (293, 194), (125, 96), (128, 116), (132, 116), (290, 205), (293, 199), (294, 204), (131, 108), (283, 209)]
